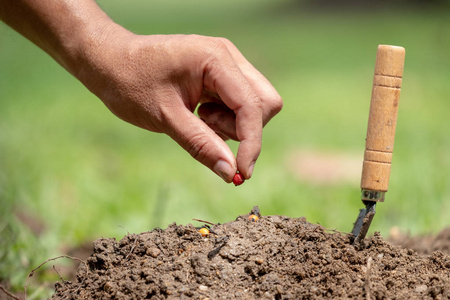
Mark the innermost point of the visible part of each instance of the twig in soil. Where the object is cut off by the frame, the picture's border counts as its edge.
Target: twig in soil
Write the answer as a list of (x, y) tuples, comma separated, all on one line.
[(202, 221), (48, 260), (367, 285), (335, 231), (255, 211), (8, 293), (132, 247), (124, 229), (223, 241), (60, 277)]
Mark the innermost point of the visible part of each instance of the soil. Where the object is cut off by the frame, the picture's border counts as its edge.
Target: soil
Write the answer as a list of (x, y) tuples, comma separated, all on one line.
[(275, 257), (422, 244)]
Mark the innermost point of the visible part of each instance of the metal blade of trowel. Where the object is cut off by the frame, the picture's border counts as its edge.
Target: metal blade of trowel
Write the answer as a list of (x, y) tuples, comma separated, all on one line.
[(387, 82)]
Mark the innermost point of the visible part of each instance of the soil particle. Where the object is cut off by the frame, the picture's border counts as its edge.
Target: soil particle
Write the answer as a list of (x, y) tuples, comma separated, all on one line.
[(275, 257)]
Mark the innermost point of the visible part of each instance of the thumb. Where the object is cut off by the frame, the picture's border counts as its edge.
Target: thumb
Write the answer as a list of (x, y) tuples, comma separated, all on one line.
[(202, 143)]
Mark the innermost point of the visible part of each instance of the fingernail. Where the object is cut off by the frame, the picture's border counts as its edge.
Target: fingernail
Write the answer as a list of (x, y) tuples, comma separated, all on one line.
[(250, 169), (223, 169)]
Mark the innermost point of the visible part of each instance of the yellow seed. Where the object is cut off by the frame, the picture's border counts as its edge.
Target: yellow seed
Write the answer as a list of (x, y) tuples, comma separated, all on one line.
[(204, 231), (253, 218)]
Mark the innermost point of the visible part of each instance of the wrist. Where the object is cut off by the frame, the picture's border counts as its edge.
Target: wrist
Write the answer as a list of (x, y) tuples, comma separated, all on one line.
[(88, 44)]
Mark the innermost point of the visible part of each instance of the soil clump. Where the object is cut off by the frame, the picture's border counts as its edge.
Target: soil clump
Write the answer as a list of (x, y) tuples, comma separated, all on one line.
[(275, 257)]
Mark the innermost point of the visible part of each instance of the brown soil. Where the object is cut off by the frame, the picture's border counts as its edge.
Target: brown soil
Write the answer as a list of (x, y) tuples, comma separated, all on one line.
[(422, 244), (275, 257)]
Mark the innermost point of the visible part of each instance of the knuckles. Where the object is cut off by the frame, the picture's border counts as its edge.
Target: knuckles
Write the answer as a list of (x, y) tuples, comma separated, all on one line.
[(216, 48), (275, 103), (221, 44), (273, 106)]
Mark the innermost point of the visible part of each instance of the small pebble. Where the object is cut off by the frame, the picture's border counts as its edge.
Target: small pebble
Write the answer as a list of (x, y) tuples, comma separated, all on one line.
[(108, 286), (153, 252), (421, 288), (202, 287)]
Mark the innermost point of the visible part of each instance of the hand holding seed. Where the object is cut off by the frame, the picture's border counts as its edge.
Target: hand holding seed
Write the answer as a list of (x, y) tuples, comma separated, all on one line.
[(156, 82)]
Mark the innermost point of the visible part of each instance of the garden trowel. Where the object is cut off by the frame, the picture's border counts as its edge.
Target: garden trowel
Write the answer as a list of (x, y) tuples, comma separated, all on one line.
[(387, 82)]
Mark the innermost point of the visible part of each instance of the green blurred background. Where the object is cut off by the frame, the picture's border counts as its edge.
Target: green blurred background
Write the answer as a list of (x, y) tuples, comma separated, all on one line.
[(71, 172)]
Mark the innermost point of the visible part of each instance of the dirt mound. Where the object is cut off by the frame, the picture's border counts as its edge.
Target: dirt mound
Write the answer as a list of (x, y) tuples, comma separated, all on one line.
[(423, 244), (275, 257)]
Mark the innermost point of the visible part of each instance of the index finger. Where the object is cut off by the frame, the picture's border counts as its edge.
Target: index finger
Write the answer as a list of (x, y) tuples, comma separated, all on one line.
[(224, 77)]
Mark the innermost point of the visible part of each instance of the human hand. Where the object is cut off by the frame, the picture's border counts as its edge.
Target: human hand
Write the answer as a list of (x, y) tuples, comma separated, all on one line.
[(156, 82)]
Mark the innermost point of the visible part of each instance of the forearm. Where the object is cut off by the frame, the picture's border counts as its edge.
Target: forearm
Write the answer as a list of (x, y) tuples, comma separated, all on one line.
[(68, 30)]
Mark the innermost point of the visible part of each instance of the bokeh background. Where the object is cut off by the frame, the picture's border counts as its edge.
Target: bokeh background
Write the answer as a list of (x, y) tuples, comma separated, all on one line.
[(71, 172)]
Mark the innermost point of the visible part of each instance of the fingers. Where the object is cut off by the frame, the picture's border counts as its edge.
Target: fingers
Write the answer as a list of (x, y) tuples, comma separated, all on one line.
[(224, 77), (236, 102), (271, 101), (219, 118), (201, 142)]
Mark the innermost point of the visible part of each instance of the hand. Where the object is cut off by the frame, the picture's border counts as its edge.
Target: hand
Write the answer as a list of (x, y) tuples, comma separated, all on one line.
[(156, 82)]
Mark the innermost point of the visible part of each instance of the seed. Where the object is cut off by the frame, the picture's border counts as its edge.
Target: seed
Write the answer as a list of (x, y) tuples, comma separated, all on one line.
[(253, 218), (238, 179), (204, 231)]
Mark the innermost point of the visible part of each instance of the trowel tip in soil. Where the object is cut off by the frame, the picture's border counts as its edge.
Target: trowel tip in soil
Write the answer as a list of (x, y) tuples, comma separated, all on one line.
[(362, 224)]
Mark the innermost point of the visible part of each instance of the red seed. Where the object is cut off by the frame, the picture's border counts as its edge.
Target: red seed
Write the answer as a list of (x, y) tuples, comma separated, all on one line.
[(238, 179)]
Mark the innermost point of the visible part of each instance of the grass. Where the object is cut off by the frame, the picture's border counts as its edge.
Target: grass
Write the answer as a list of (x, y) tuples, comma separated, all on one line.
[(70, 164)]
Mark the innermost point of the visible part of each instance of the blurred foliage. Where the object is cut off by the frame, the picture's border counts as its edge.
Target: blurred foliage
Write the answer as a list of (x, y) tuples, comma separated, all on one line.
[(370, 5), (68, 163)]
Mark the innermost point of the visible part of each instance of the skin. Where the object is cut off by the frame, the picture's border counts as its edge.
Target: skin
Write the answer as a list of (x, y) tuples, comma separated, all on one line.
[(157, 81)]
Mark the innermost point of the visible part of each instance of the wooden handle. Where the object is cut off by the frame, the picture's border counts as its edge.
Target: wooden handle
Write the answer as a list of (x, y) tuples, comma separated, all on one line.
[(387, 82)]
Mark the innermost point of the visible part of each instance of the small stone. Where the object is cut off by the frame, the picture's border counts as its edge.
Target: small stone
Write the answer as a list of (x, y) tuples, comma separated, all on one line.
[(203, 288), (421, 288), (280, 289), (153, 252), (259, 260), (107, 287)]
